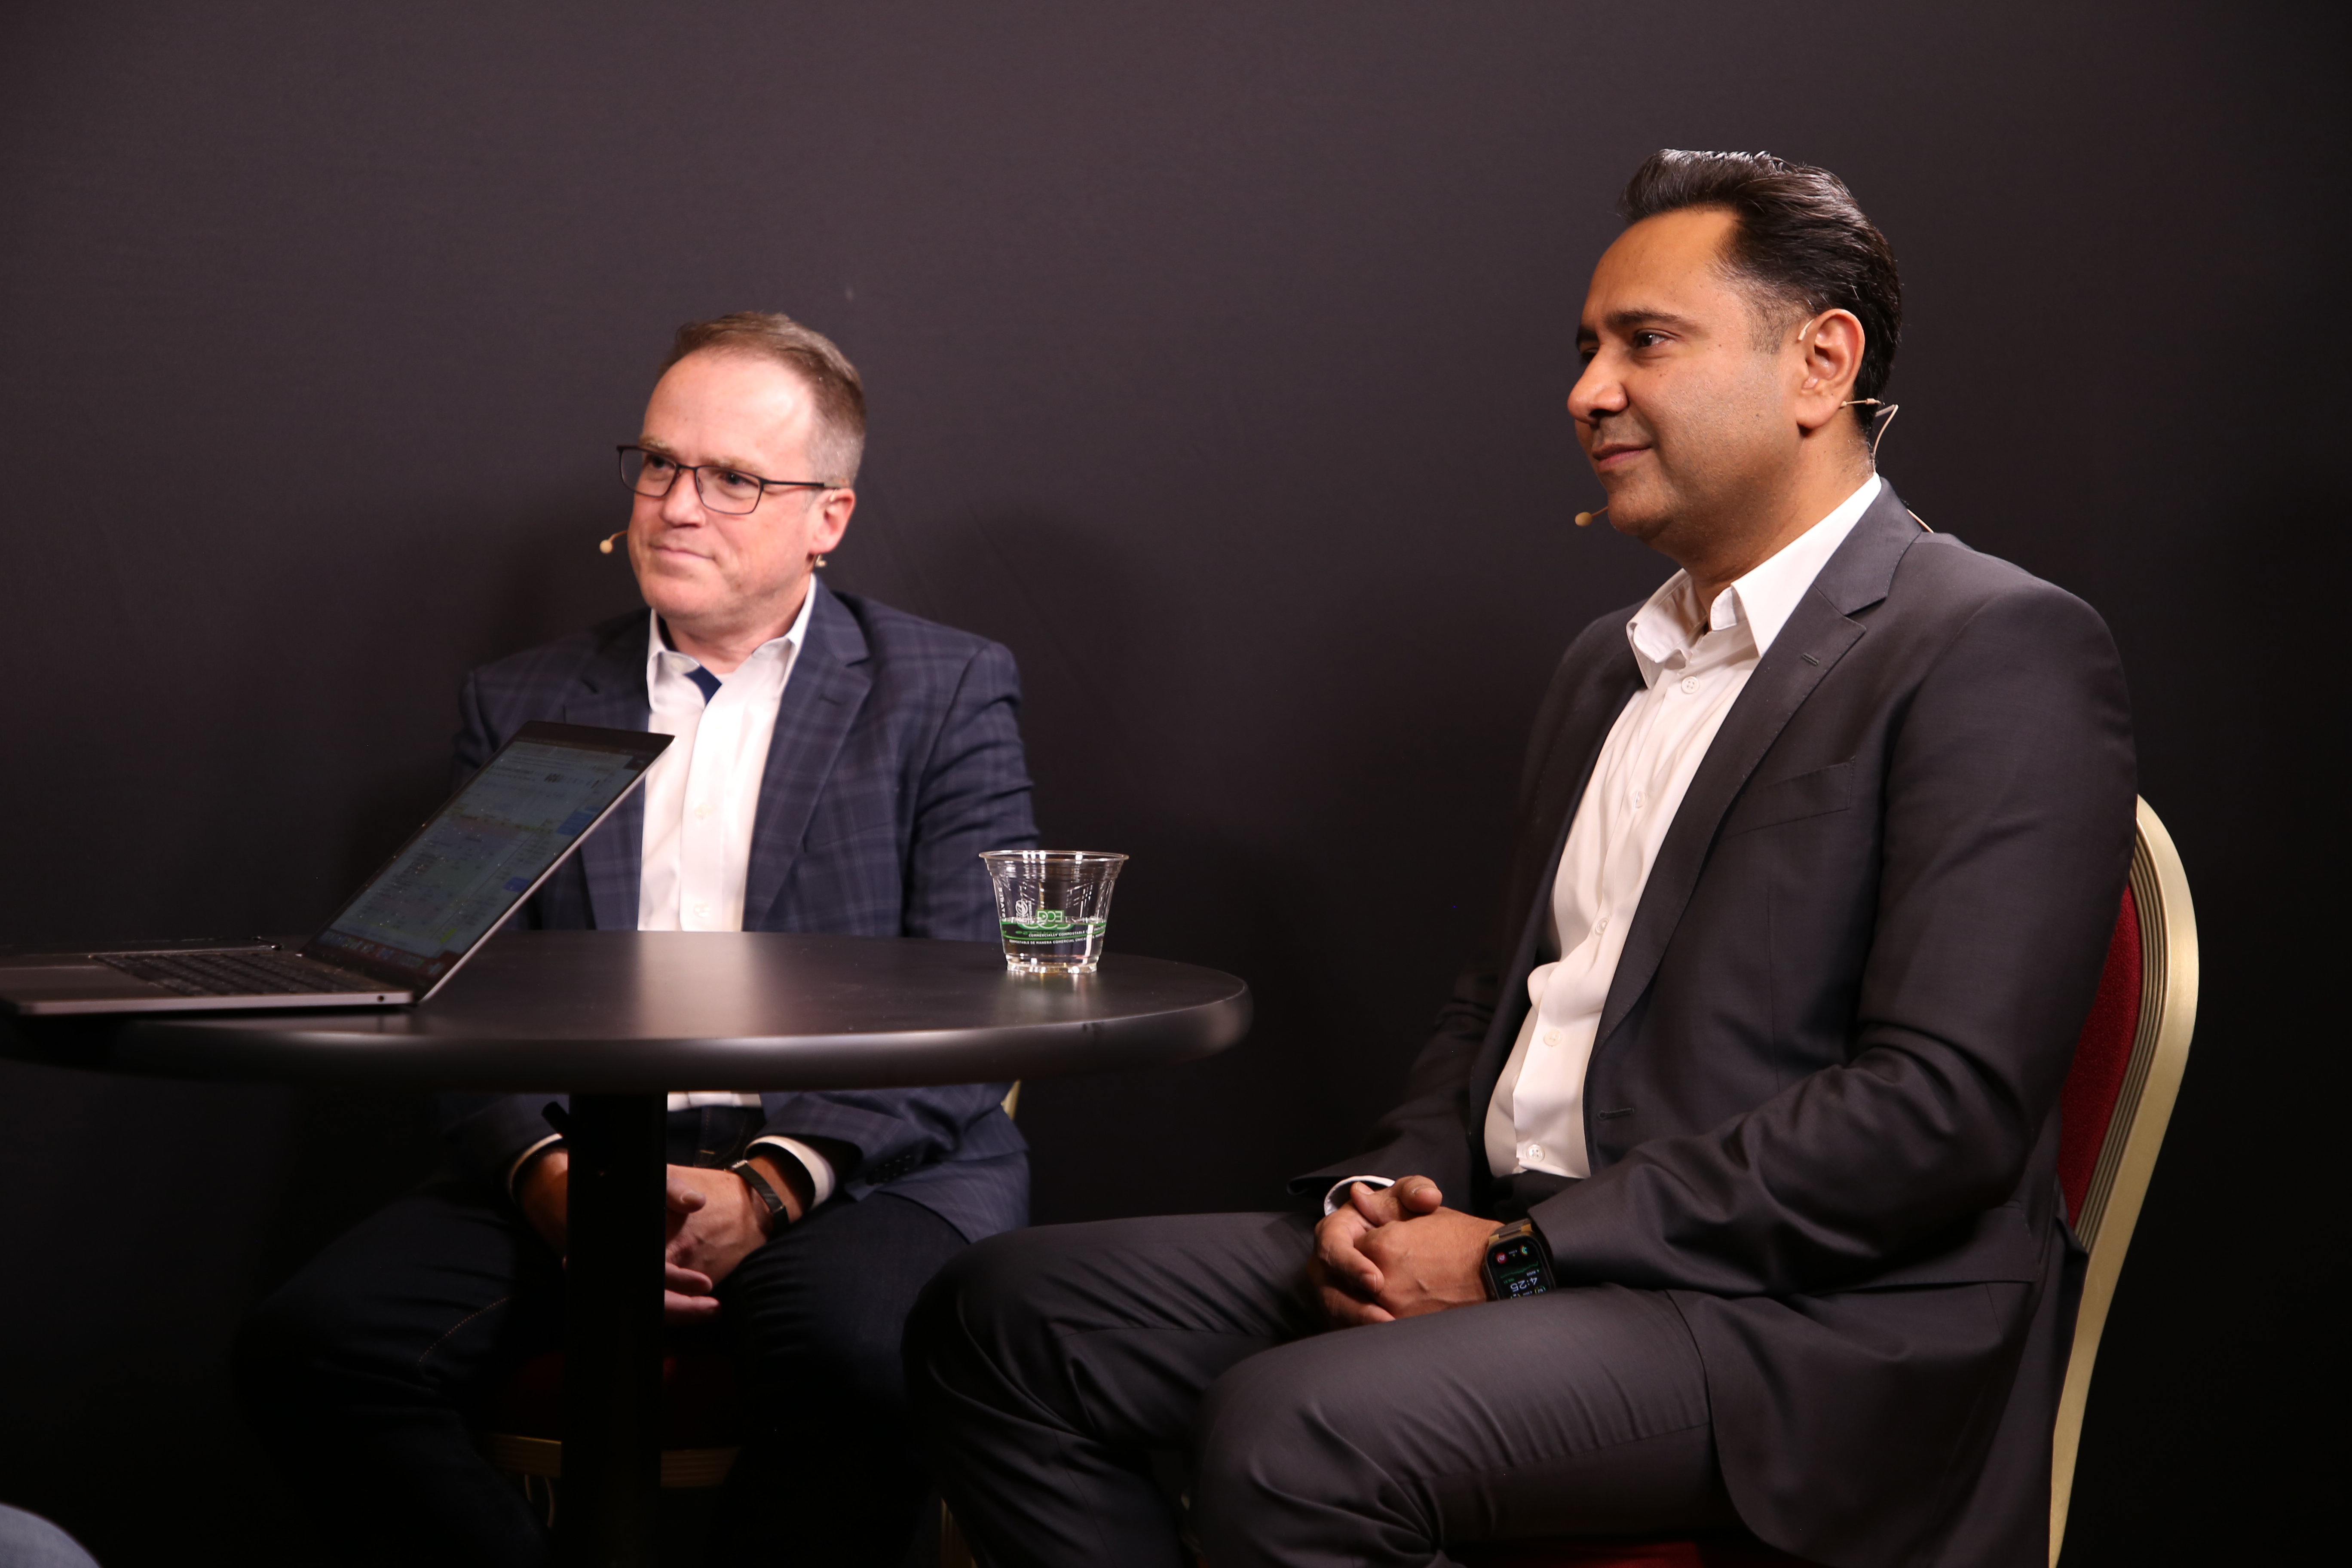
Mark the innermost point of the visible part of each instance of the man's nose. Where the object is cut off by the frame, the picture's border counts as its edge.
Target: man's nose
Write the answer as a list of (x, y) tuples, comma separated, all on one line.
[(1597, 392), (682, 506)]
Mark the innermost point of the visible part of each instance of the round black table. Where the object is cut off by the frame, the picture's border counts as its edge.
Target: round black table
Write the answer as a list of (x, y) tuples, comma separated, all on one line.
[(619, 1019)]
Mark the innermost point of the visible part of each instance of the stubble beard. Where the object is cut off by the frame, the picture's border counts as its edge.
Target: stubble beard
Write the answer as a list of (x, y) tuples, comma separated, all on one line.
[(1703, 489)]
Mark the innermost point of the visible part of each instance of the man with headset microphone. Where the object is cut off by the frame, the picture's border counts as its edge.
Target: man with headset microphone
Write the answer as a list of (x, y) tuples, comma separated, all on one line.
[(837, 766), (1725, 1193)]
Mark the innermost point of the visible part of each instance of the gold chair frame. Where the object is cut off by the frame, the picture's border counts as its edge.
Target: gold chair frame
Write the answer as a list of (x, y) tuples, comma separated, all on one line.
[(2168, 1016)]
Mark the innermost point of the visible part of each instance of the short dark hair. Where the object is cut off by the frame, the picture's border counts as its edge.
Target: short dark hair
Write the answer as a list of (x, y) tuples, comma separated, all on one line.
[(838, 443), (1802, 241)]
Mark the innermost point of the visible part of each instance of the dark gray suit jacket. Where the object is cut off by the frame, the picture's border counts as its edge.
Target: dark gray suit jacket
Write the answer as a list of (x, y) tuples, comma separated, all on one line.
[(1823, 1103), (895, 761)]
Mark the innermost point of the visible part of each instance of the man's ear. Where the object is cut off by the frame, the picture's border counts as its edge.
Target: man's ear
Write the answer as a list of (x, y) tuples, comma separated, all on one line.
[(837, 506), (1829, 352)]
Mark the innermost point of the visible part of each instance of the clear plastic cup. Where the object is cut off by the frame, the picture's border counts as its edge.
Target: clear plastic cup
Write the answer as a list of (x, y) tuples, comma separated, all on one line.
[(1053, 906)]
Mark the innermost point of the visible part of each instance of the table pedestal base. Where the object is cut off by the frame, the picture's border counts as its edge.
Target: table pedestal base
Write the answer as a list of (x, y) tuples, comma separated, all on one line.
[(613, 1321)]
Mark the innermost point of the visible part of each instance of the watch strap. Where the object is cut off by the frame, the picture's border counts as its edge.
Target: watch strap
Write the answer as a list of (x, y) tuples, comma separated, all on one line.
[(762, 1189)]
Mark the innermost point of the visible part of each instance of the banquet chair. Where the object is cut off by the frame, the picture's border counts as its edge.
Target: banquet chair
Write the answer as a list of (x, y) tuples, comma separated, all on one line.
[(2116, 1103), (521, 1433)]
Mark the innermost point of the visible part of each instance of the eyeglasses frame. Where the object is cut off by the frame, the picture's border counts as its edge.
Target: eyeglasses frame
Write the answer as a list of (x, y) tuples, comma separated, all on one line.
[(621, 451)]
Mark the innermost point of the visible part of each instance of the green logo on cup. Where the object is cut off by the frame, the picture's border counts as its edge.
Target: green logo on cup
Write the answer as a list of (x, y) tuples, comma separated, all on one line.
[(1049, 925)]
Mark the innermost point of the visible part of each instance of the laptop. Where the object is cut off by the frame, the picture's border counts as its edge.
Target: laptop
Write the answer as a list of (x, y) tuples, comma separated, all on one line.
[(414, 923)]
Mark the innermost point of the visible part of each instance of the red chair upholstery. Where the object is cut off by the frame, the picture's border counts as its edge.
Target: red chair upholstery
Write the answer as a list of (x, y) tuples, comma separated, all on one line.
[(2113, 1111), (2102, 1058), (698, 1403), (522, 1431)]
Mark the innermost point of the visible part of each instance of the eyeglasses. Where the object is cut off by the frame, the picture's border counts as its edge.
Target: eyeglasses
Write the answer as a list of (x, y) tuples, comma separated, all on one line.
[(722, 489)]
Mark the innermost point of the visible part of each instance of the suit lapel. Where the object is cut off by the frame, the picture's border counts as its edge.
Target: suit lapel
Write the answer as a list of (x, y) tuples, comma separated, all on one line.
[(1816, 637), (822, 698), (611, 695)]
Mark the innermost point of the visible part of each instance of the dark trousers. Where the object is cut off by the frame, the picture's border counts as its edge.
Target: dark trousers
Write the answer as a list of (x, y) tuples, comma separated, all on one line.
[(1047, 1366), (360, 1371)]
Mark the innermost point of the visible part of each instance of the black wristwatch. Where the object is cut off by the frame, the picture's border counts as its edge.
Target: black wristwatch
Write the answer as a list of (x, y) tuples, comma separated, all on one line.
[(1517, 1262), (761, 1190)]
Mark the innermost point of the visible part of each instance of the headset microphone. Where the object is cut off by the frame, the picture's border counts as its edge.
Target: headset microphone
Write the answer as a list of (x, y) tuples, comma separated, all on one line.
[(1584, 519), (605, 545), (1882, 418)]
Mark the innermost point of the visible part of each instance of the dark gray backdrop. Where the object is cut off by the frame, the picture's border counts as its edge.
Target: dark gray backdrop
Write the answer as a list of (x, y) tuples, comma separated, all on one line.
[(1217, 355)]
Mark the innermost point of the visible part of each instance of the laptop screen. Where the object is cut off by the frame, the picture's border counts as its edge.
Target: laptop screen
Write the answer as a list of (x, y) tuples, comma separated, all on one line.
[(485, 851)]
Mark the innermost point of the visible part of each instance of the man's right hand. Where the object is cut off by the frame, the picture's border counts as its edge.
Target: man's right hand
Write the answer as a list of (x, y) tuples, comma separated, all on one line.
[(545, 1199), (1341, 1278)]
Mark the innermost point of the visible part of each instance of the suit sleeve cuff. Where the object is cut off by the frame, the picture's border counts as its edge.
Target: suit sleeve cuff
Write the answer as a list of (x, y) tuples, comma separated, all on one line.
[(1338, 1193), (819, 1168)]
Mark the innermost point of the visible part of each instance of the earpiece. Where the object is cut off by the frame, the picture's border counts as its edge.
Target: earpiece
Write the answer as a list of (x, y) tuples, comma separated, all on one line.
[(1891, 410), (1584, 519), (605, 545)]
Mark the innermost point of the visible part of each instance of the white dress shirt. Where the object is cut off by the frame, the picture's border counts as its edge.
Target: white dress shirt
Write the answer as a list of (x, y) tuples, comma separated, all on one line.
[(1534, 1120), (702, 794), (703, 801)]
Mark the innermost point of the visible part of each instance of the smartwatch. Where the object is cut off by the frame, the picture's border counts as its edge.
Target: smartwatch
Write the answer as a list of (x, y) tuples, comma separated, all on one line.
[(1517, 1262)]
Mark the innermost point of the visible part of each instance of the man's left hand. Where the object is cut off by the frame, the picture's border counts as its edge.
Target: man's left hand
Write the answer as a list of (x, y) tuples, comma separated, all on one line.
[(1428, 1263), (714, 1223)]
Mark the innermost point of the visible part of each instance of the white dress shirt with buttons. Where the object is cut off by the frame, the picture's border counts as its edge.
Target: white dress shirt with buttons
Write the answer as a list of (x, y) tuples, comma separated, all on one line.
[(703, 801), (1690, 679), (1534, 1121), (702, 794)]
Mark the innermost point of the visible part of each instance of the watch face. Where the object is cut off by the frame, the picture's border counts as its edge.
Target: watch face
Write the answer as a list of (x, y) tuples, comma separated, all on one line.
[(1517, 1267)]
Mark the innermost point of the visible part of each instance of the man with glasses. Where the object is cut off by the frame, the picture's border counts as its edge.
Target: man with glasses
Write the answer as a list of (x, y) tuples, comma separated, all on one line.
[(838, 766)]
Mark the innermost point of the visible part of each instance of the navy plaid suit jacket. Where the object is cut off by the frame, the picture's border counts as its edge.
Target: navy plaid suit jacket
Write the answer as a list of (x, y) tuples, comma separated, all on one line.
[(896, 760)]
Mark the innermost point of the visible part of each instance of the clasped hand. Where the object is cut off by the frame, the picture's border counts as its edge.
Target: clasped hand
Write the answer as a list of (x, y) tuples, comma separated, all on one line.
[(712, 1224), (1396, 1252)]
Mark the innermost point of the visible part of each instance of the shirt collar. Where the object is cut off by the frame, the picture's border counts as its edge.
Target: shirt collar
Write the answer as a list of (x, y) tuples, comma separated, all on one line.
[(1767, 597), (1762, 601), (663, 661)]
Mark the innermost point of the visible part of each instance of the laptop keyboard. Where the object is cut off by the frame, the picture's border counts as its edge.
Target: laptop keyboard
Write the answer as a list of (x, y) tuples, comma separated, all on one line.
[(236, 973)]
